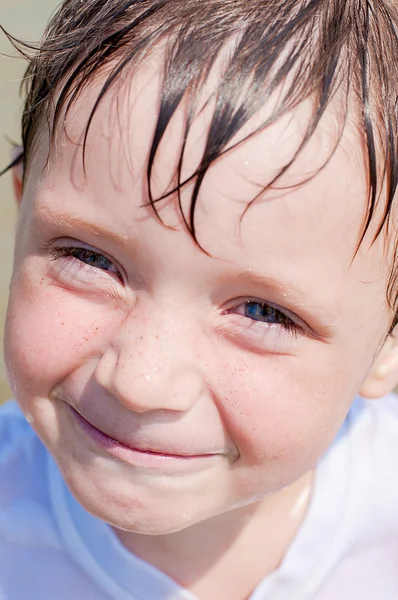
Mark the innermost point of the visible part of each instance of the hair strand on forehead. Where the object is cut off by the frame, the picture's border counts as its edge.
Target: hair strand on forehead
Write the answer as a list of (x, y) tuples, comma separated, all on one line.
[(307, 49)]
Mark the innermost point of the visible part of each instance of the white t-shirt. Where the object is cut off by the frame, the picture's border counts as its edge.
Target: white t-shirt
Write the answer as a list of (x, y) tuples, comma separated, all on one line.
[(346, 548)]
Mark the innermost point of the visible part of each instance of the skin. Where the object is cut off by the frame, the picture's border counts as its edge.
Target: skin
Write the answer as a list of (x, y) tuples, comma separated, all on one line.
[(157, 346)]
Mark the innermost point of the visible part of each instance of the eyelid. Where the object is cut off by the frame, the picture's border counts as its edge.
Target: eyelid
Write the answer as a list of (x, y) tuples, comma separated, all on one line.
[(73, 274), (236, 302), (260, 338), (65, 242)]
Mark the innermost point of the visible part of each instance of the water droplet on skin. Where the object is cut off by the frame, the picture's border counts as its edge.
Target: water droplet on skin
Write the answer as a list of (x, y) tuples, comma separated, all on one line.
[(29, 418), (187, 515)]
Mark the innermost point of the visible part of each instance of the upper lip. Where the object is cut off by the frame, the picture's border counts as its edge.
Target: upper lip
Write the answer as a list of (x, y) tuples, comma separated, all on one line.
[(145, 447)]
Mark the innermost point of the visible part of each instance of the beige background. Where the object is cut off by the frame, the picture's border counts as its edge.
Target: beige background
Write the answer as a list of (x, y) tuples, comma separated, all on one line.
[(25, 19)]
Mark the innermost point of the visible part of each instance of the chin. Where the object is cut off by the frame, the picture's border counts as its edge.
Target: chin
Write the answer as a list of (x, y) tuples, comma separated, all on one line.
[(140, 517), (141, 509)]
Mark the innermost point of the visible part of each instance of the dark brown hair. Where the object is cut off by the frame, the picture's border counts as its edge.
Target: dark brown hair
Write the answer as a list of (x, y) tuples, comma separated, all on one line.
[(320, 47)]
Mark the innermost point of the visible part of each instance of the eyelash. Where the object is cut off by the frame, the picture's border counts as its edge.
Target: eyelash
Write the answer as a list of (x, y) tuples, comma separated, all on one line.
[(81, 253), (279, 318)]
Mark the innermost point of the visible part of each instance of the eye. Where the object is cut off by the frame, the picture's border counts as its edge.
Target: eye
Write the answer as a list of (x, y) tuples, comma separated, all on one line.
[(86, 256), (259, 313), (89, 257)]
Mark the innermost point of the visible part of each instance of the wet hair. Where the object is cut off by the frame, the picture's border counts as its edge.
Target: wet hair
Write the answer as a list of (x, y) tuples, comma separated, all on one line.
[(316, 48)]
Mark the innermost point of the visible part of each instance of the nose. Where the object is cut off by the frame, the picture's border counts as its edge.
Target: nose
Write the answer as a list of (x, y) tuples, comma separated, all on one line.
[(150, 365)]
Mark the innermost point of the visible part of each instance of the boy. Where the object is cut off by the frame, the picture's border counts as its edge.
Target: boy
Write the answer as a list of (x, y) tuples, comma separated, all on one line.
[(204, 281)]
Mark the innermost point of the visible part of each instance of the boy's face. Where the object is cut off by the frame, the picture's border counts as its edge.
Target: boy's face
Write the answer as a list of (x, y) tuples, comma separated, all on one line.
[(227, 374)]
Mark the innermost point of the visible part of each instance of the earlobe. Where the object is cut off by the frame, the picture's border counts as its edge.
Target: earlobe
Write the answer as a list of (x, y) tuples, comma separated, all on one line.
[(383, 375), (17, 173)]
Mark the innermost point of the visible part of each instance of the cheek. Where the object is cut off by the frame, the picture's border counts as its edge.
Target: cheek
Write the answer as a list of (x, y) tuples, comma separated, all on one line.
[(49, 332), (283, 412)]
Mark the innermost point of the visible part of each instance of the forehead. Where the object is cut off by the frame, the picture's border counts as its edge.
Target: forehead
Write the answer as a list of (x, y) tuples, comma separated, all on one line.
[(308, 221), (123, 127)]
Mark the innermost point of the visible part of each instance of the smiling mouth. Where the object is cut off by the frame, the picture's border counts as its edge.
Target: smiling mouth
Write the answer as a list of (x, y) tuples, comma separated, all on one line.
[(136, 455)]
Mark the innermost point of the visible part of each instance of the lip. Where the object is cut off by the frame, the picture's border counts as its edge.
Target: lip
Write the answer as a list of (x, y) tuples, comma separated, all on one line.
[(141, 457)]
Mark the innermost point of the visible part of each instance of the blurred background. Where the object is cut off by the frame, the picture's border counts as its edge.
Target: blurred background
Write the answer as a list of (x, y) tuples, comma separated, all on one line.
[(25, 19)]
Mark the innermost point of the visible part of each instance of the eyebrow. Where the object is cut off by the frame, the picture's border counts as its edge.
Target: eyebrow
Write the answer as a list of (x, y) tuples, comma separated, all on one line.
[(69, 221), (250, 276)]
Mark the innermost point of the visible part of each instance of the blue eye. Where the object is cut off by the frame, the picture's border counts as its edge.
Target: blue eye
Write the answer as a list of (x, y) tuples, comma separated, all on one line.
[(92, 258), (263, 312), (260, 311), (86, 256)]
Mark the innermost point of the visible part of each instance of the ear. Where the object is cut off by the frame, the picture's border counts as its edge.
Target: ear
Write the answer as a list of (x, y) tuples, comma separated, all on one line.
[(383, 375), (17, 173)]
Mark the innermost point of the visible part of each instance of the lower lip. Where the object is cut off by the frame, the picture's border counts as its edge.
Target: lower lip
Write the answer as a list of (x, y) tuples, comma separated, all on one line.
[(141, 458)]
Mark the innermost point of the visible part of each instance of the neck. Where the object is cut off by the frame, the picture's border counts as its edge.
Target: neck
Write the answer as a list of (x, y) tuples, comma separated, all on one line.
[(227, 556)]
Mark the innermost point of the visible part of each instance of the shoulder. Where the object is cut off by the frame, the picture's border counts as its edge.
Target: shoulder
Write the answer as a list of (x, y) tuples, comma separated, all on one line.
[(361, 560), (24, 501), (19, 445), (14, 430), (372, 432), (375, 422), (30, 540)]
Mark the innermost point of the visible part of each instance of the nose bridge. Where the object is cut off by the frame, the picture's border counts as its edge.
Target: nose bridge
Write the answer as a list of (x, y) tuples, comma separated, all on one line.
[(151, 364)]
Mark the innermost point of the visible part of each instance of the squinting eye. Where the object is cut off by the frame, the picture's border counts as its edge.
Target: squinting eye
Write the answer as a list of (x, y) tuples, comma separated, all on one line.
[(86, 256), (93, 259), (264, 312), (267, 314)]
